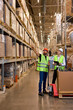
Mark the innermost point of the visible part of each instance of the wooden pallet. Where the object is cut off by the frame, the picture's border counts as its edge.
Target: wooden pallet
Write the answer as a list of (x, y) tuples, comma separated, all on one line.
[(65, 95)]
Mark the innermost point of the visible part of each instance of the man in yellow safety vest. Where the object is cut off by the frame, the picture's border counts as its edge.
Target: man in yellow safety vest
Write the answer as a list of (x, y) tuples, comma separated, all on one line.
[(42, 67), (59, 60)]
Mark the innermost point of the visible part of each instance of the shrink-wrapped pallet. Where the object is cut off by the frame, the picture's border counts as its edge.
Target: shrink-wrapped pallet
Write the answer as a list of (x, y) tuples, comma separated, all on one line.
[(8, 81), (17, 49), (19, 70), (21, 50), (12, 3), (1, 10), (2, 45), (8, 46), (7, 15)]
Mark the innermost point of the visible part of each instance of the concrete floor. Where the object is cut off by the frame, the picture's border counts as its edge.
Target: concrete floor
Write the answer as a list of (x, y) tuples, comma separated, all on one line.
[(24, 96)]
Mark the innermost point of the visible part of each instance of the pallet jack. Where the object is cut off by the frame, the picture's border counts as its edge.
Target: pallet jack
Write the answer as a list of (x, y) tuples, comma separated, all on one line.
[(52, 88)]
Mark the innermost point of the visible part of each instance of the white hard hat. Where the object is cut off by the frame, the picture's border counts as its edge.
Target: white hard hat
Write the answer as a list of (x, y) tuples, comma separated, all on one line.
[(61, 49)]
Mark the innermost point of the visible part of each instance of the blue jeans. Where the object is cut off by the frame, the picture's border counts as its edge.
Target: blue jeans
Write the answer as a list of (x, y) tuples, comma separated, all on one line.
[(43, 77)]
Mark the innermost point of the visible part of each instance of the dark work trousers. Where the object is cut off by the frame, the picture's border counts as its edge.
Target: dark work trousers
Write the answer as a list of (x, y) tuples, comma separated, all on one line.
[(54, 76), (43, 77)]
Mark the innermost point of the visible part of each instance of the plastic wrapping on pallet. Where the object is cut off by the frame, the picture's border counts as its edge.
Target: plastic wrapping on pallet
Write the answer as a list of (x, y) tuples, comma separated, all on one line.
[(12, 3), (8, 81), (19, 70), (17, 49), (7, 15), (8, 46), (1, 10), (21, 50)]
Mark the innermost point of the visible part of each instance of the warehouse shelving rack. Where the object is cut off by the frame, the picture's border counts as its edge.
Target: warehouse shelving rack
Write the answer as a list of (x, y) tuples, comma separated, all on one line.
[(7, 30)]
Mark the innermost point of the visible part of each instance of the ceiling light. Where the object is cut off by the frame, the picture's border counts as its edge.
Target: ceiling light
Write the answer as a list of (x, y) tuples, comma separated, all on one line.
[(40, 27), (38, 1), (51, 16), (52, 23), (40, 21), (39, 14)]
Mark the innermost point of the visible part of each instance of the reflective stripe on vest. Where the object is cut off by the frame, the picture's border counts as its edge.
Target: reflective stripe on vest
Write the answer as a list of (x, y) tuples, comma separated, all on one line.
[(60, 61), (43, 64)]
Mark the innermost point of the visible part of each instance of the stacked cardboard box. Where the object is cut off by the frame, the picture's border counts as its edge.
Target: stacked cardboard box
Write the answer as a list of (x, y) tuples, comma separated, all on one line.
[(17, 28), (2, 46), (0, 80), (21, 50), (26, 37), (1, 10), (12, 3), (28, 52), (21, 31), (13, 22), (8, 46), (7, 15), (25, 51), (20, 12), (13, 51), (17, 49)]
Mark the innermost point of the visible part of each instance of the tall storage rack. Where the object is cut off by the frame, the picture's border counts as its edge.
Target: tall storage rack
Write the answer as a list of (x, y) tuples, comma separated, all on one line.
[(7, 30)]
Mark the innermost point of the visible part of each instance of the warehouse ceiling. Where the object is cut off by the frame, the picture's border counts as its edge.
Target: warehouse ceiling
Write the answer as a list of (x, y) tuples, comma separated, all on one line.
[(43, 14)]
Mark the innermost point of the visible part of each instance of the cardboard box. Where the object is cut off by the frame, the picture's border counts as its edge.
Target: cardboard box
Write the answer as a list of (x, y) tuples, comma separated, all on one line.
[(8, 46), (65, 81), (17, 28), (7, 15), (13, 22), (20, 12), (13, 51), (26, 37), (21, 31), (21, 50), (2, 45), (1, 10), (12, 3), (17, 49), (25, 51)]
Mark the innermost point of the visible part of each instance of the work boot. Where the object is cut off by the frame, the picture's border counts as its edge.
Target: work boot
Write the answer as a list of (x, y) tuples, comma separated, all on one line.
[(41, 94), (45, 92)]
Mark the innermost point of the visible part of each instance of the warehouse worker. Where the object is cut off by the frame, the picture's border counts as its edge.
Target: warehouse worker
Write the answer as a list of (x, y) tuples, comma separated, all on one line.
[(42, 67), (61, 59)]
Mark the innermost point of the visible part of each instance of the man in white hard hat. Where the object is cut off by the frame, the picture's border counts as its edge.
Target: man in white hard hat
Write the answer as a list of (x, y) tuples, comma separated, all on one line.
[(59, 60)]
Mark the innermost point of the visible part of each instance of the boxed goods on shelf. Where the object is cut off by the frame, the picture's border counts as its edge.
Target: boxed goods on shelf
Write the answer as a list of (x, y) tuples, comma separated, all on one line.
[(1, 10), (13, 22), (9, 74), (20, 12), (2, 46), (28, 52), (17, 28), (13, 50), (25, 20), (12, 3), (25, 51), (21, 50), (7, 15), (21, 31), (23, 34), (26, 37), (0, 80), (17, 49), (8, 46)]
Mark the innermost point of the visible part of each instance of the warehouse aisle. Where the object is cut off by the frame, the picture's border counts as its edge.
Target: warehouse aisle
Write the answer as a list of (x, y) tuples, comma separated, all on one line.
[(24, 96)]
